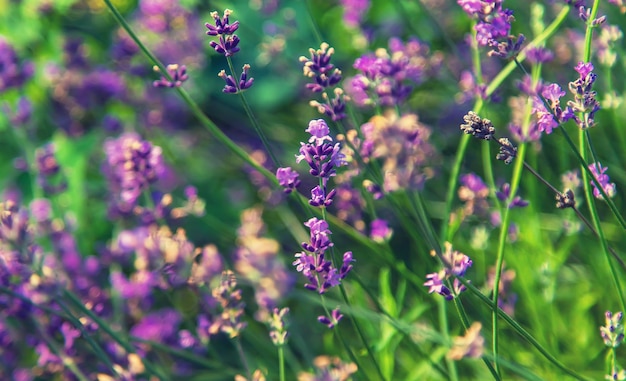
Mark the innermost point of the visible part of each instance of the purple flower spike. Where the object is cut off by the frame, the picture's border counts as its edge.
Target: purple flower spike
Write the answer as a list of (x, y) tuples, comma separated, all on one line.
[(331, 320), (600, 174), (222, 26), (380, 231), (319, 68), (287, 178), (176, 72), (244, 82), (435, 284), (226, 46), (231, 85)]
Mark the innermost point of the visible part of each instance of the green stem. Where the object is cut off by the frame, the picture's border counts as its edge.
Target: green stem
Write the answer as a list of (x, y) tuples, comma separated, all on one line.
[(242, 356), (99, 352), (504, 230), (281, 362), (584, 142), (495, 83), (207, 123), (522, 332), (67, 361), (253, 119), (114, 335)]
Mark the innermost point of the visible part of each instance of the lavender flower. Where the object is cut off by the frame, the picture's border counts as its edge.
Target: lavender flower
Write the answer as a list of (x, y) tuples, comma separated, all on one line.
[(353, 11), (470, 345), (229, 298), (493, 21), (473, 192), (332, 320), (507, 151), (506, 297), (329, 368), (613, 331), (538, 55), (48, 170), (22, 113), (234, 87), (505, 192), (257, 260), (158, 326), (565, 199), (319, 68), (387, 77), (508, 49), (222, 25), (584, 106), (455, 264), (599, 173), (476, 126), (323, 158), (380, 230), (176, 72), (13, 73), (227, 42), (132, 165), (325, 76), (288, 179), (402, 143), (278, 326)]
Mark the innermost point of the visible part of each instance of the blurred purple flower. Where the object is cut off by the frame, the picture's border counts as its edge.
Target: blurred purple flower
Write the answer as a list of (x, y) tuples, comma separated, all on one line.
[(287, 178), (599, 173), (160, 326), (380, 230), (13, 72), (354, 11), (131, 166), (176, 72)]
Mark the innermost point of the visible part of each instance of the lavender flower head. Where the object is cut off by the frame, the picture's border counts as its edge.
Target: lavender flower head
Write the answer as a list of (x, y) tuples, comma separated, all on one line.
[(319, 68), (613, 331), (470, 345), (380, 231), (325, 76), (585, 105), (288, 179), (494, 22), (132, 164), (176, 72), (402, 143), (227, 42), (354, 11), (455, 264), (599, 173), (13, 73), (387, 77), (323, 157)]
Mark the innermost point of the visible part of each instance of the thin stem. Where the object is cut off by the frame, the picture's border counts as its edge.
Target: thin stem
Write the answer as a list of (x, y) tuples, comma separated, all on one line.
[(495, 83), (504, 231), (242, 356), (584, 142), (357, 327), (114, 335), (67, 361), (522, 332), (253, 119), (207, 123)]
